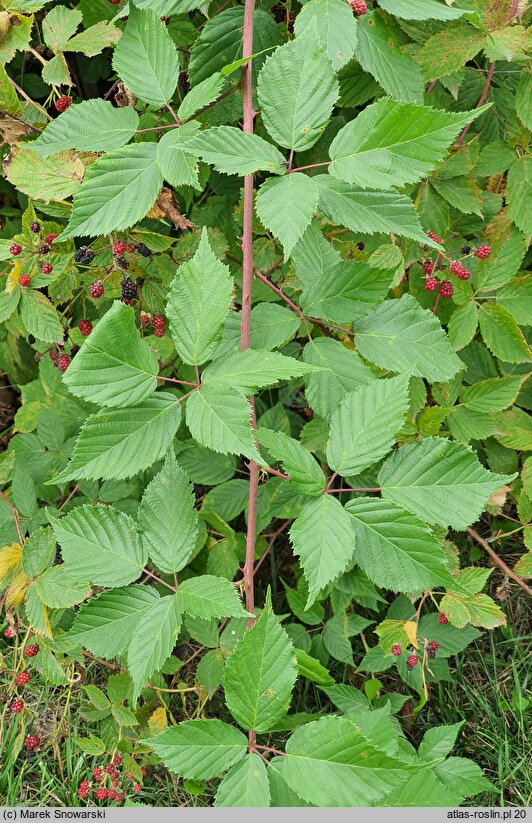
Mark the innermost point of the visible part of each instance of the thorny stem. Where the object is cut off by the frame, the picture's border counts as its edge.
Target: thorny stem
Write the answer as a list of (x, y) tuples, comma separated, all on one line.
[(245, 325), (276, 473), (159, 580), (482, 100), (290, 170), (498, 561)]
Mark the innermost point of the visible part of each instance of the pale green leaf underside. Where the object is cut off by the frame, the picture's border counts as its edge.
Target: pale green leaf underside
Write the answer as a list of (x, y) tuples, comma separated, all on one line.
[(260, 675), (58, 589), (200, 96), (359, 435), (400, 335), (323, 537), (440, 481), (99, 545), (146, 58), (285, 206), (391, 144), (114, 367), (93, 125), (118, 190), (168, 522), (198, 302), (421, 9), (179, 166), (118, 443), (395, 549), (200, 749)]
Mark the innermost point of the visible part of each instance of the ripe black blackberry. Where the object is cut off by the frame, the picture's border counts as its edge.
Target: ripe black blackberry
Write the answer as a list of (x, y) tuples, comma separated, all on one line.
[(31, 339), (122, 262), (143, 249), (465, 249), (44, 249), (129, 288), (35, 227), (84, 256)]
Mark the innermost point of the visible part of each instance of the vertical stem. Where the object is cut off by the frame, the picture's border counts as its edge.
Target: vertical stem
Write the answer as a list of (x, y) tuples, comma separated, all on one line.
[(247, 287), (245, 325), (482, 100)]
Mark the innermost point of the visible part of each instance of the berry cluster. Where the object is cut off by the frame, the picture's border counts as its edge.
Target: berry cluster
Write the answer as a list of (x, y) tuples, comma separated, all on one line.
[(459, 270), (159, 327), (119, 783), (129, 289), (85, 327), (446, 289), (96, 289), (63, 103), (32, 650), (84, 255), (22, 678), (483, 252), (9, 632)]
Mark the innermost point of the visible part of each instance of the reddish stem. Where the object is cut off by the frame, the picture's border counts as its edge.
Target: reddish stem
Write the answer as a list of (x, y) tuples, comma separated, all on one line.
[(279, 293), (311, 166), (273, 538), (276, 473), (159, 580), (354, 489), (482, 100)]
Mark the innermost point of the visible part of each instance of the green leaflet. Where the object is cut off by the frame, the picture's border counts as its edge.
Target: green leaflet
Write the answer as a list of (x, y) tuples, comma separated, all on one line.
[(359, 437), (168, 522), (118, 443), (118, 190), (390, 144), (99, 545), (440, 481), (219, 418), (297, 90), (400, 335), (146, 59), (232, 151), (152, 641), (335, 25), (260, 674), (200, 749), (208, 596), (114, 367), (395, 549), (93, 125), (305, 474), (198, 302), (285, 206), (323, 538), (245, 785)]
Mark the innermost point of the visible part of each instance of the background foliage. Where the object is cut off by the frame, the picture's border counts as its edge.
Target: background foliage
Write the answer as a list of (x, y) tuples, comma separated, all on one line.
[(266, 473)]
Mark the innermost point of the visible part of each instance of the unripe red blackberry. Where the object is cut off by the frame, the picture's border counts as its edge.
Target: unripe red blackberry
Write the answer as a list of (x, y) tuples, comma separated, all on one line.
[(136, 786), (130, 248), (111, 794), (24, 280), (159, 325), (404, 278), (85, 327), (17, 706), (359, 7), (412, 661), (442, 619), (434, 237), (22, 678), (83, 789), (47, 268), (49, 239), (101, 794), (97, 773), (119, 798), (63, 103), (32, 741), (63, 362), (130, 776), (9, 632), (115, 783), (431, 284), (35, 227), (15, 249), (96, 289), (110, 770), (483, 252), (32, 650), (129, 288), (456, 267), (396, 650), (446, 289), (464, 274), (428, 267), (144, 320), (433, 645), (115, 2), (119, 247)]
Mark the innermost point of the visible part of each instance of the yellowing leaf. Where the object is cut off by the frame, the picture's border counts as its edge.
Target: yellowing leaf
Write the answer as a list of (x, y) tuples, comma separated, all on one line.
[(14, 276), (17, 590), (157, 722), (10, 557), (410, 629)]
